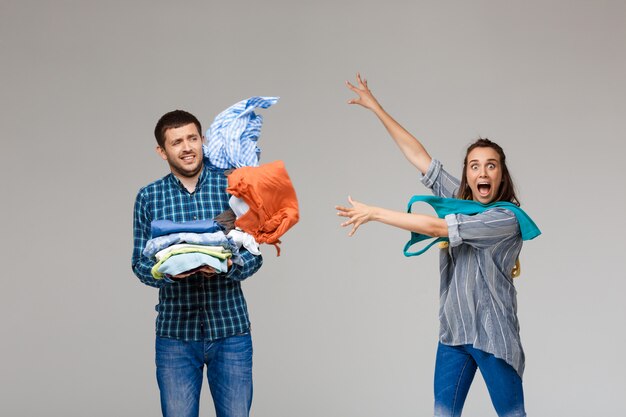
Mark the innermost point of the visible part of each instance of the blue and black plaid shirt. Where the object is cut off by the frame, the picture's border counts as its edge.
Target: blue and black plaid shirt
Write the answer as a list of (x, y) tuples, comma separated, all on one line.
[(193, 308)]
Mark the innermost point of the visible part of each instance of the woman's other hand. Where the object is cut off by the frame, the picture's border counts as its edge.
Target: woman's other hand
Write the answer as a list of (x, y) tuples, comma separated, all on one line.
[(357, 215)]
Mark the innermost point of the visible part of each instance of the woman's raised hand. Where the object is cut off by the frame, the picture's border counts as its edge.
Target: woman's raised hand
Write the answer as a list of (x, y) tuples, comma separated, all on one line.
[(366, 98)]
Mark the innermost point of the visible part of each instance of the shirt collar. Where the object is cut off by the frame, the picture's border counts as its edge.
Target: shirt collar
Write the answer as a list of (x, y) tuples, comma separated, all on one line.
[(201, 179)]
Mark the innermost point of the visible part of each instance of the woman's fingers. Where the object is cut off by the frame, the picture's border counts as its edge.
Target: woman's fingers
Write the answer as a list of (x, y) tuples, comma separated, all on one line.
[(365, 99), (362, 82), (351, 87), (355, 226), (362, 88), (344, 212), (358, 78), (356, 91), (355, 217)]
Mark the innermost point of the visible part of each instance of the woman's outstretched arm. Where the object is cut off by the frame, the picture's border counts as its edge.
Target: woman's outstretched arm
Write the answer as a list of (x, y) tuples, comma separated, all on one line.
[(412, 148), (361, 213)]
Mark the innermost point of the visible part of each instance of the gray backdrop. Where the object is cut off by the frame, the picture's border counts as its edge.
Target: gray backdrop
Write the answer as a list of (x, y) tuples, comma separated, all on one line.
[(342, 326)]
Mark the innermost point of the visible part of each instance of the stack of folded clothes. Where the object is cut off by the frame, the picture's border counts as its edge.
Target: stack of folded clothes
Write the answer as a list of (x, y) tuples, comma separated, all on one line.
[(183, 247)]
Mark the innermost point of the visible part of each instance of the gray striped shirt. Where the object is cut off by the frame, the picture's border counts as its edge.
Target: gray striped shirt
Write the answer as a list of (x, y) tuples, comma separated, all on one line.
[(478, 301)]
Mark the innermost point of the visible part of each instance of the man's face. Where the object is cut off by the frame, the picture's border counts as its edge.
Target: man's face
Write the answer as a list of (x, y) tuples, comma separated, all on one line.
[(183, 150)]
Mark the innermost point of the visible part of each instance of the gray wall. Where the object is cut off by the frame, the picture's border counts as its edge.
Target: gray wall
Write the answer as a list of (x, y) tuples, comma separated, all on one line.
[(342, 326)]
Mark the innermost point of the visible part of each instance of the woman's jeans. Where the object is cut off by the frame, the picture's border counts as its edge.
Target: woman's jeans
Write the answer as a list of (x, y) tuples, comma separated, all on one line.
[(229, 371), (454, 371)]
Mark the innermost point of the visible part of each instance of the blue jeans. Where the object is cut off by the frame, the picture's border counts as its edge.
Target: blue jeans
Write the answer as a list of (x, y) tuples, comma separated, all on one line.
[(454, 371), (229, 371)]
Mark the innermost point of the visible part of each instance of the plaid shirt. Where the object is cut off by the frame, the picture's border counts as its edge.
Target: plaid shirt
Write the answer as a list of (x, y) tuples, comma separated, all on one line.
[(193, 308)]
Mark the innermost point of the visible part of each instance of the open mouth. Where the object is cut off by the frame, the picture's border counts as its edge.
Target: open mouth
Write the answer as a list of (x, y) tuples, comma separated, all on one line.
[(188, 158), (484, 188)]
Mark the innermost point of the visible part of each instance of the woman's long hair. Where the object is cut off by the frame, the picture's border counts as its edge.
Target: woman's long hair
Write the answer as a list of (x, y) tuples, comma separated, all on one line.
[(506, 192)]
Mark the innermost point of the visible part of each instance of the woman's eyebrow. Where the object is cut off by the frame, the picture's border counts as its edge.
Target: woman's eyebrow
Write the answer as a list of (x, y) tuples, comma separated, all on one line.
[(488, 160)]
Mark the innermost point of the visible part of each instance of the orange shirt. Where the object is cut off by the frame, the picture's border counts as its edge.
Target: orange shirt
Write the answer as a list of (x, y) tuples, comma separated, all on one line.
[(269, 193)]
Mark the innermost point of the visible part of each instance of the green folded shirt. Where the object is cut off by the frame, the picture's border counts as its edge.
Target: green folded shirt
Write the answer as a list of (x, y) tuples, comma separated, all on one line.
[(155, 269)]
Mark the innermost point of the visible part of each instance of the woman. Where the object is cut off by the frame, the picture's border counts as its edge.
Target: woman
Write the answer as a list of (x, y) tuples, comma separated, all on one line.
[(478, 311)]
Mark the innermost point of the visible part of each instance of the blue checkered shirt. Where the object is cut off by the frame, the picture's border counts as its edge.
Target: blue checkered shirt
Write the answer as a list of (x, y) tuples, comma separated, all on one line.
[(233, 135), (193, 308)]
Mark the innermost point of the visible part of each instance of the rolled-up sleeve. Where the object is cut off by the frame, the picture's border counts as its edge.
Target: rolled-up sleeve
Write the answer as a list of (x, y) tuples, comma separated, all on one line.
[(439, 180), (482, 230)]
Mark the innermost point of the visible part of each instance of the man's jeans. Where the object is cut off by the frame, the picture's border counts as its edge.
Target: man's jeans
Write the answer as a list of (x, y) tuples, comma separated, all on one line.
[(454, 371), (229, 371)]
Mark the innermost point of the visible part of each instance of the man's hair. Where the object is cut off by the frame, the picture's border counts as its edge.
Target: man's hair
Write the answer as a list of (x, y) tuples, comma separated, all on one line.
[(506, 192), (173, 120)]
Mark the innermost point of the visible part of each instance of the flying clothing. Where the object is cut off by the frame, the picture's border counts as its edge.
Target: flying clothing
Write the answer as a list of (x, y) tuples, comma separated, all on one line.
[(272, 201), (232, 137), (263, 198)]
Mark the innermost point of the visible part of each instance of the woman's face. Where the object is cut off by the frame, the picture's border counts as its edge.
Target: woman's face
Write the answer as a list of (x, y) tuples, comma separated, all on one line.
[(484, 174)]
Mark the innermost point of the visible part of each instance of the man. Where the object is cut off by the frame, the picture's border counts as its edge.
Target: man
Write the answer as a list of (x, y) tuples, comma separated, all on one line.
[(202, 317)]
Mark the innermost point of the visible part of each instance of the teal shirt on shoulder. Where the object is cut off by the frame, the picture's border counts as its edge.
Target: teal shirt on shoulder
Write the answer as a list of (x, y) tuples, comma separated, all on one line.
[(444, 206)]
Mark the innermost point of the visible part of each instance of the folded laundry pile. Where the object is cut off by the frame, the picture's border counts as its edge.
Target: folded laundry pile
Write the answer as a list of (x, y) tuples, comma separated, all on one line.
[(182, 247)]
